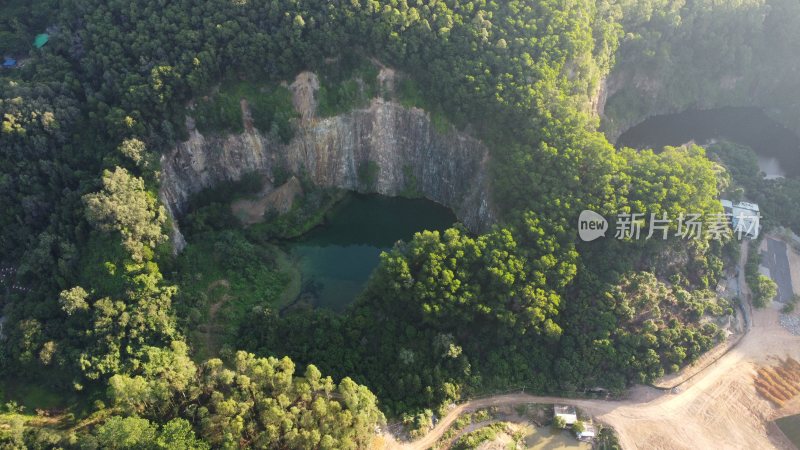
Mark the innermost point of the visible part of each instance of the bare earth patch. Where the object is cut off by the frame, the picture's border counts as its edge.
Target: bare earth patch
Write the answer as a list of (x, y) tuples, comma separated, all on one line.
[(717, 409), (304, 90), (215, 307), (280, 200), (386, 79)]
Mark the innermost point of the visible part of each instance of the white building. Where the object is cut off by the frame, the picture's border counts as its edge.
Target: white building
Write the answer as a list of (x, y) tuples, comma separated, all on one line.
[(566, 412), (745, 218), (589, 432)]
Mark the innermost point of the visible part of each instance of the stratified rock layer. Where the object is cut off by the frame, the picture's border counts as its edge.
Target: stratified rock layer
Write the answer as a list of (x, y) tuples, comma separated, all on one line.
[(384, 148)]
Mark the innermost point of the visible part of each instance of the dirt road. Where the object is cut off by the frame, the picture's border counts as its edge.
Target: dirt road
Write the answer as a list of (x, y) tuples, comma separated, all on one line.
[(591, 406), (717, 409)]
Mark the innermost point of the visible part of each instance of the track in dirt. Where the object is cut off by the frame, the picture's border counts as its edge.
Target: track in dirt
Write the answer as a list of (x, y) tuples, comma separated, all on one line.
[(211, 329), (718, 408)]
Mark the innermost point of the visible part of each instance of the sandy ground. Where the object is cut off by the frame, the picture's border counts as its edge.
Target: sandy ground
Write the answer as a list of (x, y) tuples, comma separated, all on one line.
[(689, 372), (720, 408), (717, 409)]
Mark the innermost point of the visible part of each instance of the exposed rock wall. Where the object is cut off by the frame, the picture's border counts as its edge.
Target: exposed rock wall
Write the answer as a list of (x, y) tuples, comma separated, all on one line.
[(384, 148), (646, 94)]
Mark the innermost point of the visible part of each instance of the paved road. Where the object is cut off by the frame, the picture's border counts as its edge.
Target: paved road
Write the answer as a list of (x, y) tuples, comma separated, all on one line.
[(777, 261)]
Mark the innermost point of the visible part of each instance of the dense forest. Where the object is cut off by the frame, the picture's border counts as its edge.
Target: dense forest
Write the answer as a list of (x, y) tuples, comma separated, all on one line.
[(96, 306), (679, 55)]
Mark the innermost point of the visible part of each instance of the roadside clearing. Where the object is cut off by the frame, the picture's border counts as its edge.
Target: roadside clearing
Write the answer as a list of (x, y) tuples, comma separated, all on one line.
[(717, 408)]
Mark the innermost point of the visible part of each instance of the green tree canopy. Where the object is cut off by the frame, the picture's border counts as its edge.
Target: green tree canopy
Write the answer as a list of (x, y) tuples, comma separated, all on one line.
[(124, 206)]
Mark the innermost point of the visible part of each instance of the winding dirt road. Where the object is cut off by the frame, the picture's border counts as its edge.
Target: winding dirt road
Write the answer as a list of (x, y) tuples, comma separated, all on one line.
[(717, 409)]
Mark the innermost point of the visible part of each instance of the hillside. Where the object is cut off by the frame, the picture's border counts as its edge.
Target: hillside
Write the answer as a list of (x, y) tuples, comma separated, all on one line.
[(127, 139)]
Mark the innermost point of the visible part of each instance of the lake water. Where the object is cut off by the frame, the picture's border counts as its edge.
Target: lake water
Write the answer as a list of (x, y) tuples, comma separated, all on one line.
[(336, 259), (777, 147), (791, 428)]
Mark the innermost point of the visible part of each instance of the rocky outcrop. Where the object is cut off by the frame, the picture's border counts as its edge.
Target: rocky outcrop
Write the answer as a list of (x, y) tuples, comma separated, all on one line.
[(611, 125), (384, 148), (282, 199), (279, 200), (646, 94)]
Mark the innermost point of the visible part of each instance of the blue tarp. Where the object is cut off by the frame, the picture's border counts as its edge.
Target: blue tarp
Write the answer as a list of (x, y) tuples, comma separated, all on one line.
[(10, 62)]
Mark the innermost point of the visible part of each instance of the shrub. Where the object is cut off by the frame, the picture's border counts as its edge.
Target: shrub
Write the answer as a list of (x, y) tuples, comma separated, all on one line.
[(368, 174), (765, 290)]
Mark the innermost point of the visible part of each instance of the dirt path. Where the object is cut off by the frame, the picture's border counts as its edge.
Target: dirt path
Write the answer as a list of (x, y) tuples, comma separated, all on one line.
[(210, 328), (215, 307), (594, 407), (717, 409)]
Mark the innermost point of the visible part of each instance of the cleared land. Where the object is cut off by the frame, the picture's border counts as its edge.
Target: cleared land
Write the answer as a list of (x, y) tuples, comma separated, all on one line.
[(719, 408)]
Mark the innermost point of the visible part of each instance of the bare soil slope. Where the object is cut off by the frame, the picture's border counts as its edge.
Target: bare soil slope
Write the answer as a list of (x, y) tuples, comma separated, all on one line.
[(717, 409)]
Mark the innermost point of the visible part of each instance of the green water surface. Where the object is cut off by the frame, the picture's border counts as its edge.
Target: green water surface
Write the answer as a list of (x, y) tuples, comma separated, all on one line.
[(790, 426), (337, 258)]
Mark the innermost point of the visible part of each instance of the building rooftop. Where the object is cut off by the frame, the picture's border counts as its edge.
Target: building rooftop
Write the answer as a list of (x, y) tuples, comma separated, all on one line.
[(746, 205), (745, 218), (588, 433), (566, 412)]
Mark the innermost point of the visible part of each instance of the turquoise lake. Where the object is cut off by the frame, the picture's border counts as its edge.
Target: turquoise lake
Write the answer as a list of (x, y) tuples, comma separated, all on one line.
[(336, 259)]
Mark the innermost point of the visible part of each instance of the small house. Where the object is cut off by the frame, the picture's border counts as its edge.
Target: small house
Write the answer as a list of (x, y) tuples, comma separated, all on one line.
[(566, 412), (727, 206), (589, 432), (9, 63), (745, 218)]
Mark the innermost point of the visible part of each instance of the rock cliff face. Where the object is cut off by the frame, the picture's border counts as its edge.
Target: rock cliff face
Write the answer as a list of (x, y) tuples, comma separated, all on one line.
[(384, 148), (645, 95)]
